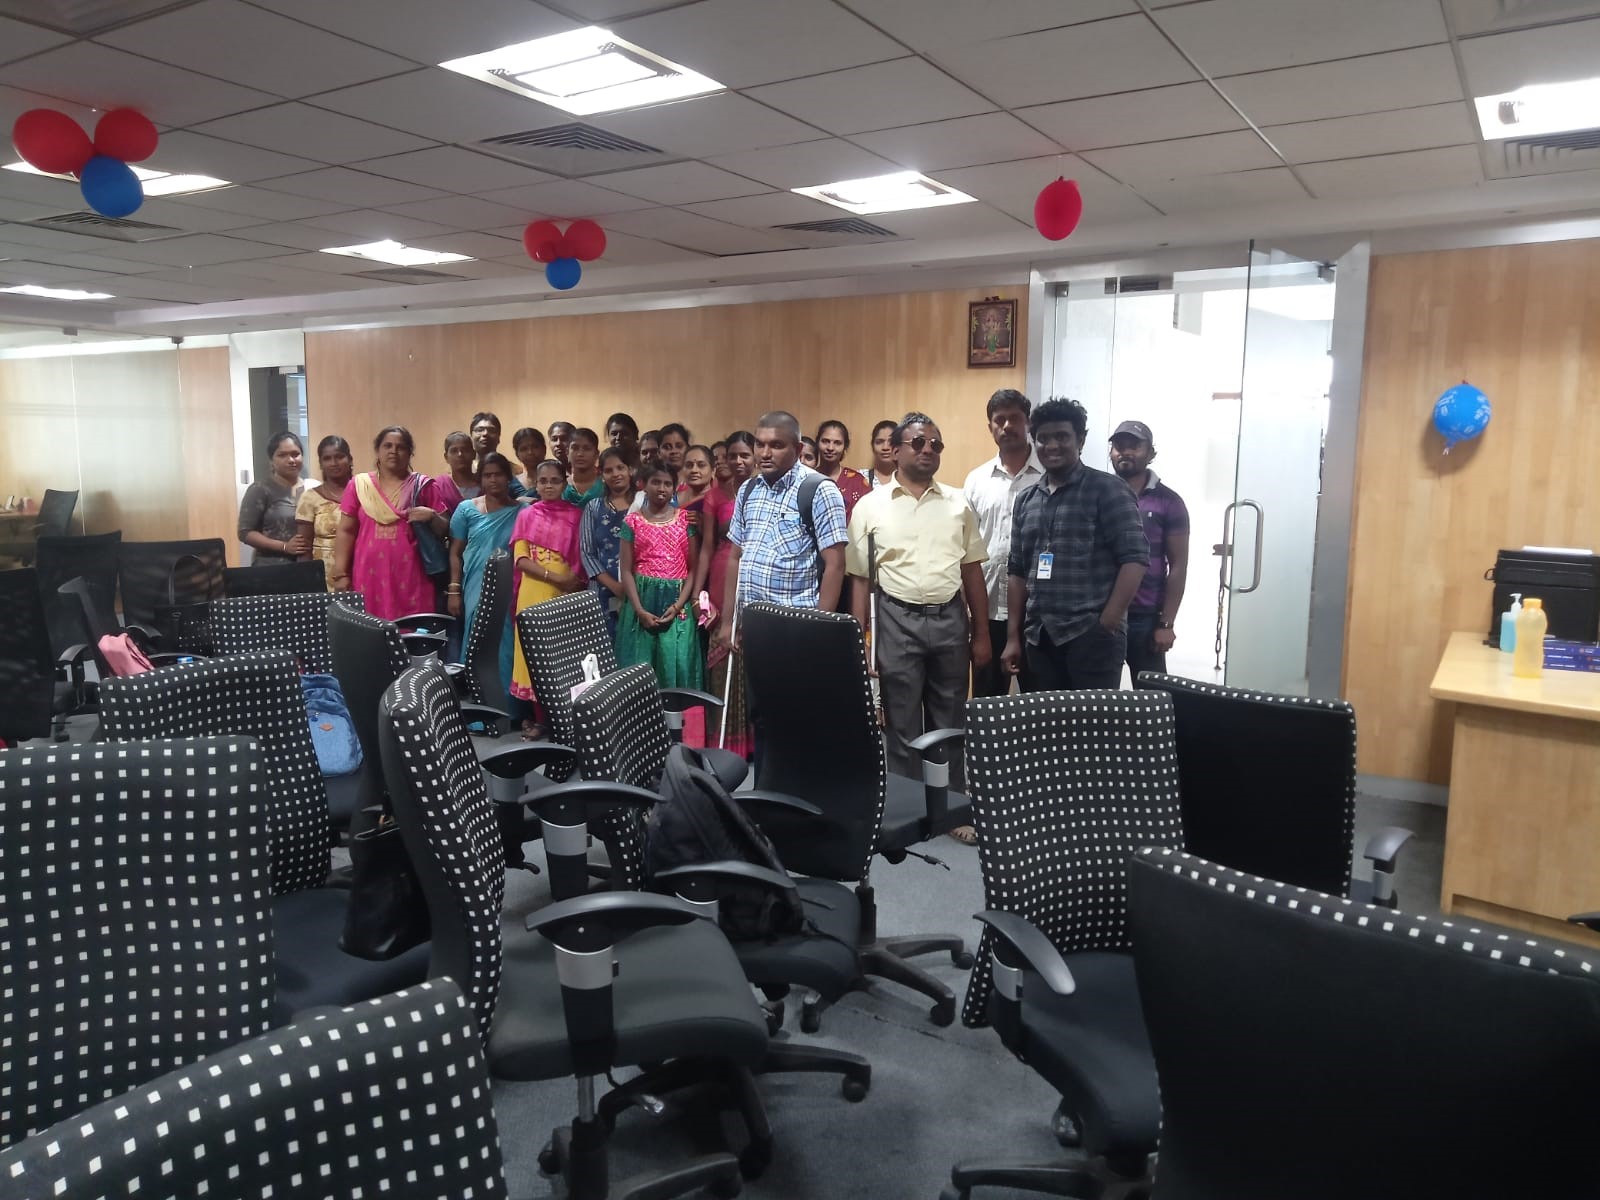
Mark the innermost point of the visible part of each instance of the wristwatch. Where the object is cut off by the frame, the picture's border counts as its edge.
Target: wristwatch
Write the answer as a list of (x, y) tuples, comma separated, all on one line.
[(1162, 622)]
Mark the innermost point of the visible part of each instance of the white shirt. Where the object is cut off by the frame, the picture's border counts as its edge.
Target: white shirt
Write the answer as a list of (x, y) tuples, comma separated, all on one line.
[(991, 491)]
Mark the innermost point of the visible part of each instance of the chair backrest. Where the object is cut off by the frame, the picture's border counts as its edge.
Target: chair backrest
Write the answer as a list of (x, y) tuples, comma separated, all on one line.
[(386, 1098), (84, 605), (27, 668), (555, 636), (450, 829), (296, 623), (55, 512), (58, 559), (481, 650), (137, 924), (811, 700), (620, 731), (256, 696), (145, 568), (281, 579), (1291, 1027), (367, 655), (1064, 786), (1267, 782)]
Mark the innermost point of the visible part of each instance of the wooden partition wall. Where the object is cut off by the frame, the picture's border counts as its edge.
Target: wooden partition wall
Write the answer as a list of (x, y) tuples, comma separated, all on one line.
[(1522, 323)]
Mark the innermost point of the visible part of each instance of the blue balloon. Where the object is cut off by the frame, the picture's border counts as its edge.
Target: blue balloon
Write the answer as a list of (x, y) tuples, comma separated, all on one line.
[(1462, 412), (563, 274), (110, 187)]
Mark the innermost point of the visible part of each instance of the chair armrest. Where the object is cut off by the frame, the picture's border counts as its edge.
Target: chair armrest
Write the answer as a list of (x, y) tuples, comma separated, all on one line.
[(759, 798), (585, 924), (1023, 937), (425, 622), (676, 699), (422, 643), (73, 655), (1589, 920), (513, 762), (937, 738), (1383, 847), (587, 793), (143, 634), (486, 714), (731, 870)]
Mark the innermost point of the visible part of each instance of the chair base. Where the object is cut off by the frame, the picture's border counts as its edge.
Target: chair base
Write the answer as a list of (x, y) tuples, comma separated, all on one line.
[(1052, 1179), (885, 958), (578, 1153)]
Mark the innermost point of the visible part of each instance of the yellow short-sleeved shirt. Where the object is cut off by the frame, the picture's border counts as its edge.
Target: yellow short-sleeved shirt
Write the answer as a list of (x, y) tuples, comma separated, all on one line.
[(922, 542)]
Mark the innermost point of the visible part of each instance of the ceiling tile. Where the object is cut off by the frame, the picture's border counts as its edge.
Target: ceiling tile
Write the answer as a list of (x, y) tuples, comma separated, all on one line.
[(1119, 55), (1155, 114), (879, 96), (50, 239), (1374, 133), (366, 225), (296, 235), (952, 221), (1503, 62), (17, 39), (58, 195), (14, 271), (462, 212), (614, 10), (474, 245), (924, 26), (1200, 192), (426, 30), (695, 232), (1012, 188), (443, 105), (807, 163), (623, 250), (680, 183), (708, 125), (143, 287), (194, 153), (488, 268), (311, 132), (189, 218), (106, 79), (564, 198), (1489, 16), (1211, 154), (763, 212), (352, 188), (1230, 37), (450, 168), (268, 206), (102, 263), (16, 101), (258, 49), (740, 44), (1374, 83), (326, 264), (1416, 170), (198, 250), (964, 142)]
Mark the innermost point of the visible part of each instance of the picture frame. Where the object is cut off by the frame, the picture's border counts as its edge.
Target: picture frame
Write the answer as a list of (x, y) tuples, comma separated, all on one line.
[(992, 333)]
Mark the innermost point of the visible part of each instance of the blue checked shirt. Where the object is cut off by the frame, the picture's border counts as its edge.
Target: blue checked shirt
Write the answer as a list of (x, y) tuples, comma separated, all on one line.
[(777, 559)]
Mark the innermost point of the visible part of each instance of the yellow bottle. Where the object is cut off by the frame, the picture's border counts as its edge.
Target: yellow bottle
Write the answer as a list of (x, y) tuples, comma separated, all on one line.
[(1527, 659)]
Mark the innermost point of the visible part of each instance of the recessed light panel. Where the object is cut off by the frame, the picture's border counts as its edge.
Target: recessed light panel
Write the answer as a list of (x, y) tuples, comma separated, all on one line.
[(156, 183), (886, 193), (48, 293), (400, 256), (1540, 108)]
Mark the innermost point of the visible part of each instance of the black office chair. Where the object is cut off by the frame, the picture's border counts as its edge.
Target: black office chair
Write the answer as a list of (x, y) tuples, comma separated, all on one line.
[(614, 979), (95, 622), (93, 558), (1268, 786), (37, 691), (190, 570), (55, 513), (480, 679), (1066, 785), (281, 579), (138, 935), (818, 739), (312, 1110), (258, 695), (1313, 1047)]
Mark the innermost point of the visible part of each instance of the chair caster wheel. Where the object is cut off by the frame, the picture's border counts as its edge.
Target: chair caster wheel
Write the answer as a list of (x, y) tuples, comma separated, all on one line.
[(726, 1186), (810, 1019), (1065, 1126), (853, 1090), (961, 959), (955, 1193), (551, 1159), (944, 1012), (754, 1159), (774, 1011)]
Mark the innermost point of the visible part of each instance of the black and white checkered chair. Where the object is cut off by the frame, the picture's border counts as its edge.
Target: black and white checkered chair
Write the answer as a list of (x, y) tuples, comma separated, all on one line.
[(1291, 1027), (1268, 786), (612, 979), (137, 928), (480, 679), (385, 1098), (1065, 786), (259, 696)]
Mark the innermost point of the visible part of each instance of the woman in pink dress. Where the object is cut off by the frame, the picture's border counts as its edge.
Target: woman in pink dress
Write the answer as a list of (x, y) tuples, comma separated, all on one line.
[(375, 552)]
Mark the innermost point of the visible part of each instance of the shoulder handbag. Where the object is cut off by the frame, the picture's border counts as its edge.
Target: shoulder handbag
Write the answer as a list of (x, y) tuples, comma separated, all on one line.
[(430, 547), (185, 625), (333, 735), (122, 654), (387, 913)]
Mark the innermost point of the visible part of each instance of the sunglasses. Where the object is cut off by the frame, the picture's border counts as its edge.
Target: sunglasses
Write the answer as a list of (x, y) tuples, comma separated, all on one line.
[(919, 443)]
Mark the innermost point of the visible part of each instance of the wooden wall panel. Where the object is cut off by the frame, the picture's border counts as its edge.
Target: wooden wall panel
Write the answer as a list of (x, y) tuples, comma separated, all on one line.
[(206, 414), (1522, 323), (38, 428), (130, 444)]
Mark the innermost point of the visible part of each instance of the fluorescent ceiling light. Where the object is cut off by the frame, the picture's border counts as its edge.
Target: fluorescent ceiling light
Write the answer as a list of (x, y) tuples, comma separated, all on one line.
[(886, 193), (156, 183), (33, 289), (1540, 108), (400, 256), (583, 72)]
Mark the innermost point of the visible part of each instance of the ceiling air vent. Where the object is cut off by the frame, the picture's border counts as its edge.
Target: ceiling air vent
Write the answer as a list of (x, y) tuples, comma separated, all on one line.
[(575, 136), (848, 226), (406, 275), (1124, 284), (573, 149), (1545, 153), (116, 229)]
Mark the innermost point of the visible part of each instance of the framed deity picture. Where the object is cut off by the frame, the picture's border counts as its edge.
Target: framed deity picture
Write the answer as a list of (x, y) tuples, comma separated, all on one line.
[(992, 333)]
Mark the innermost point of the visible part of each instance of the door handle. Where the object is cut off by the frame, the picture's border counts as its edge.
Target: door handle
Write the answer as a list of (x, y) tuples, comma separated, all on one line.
[(1224, 549), (1255, 582)]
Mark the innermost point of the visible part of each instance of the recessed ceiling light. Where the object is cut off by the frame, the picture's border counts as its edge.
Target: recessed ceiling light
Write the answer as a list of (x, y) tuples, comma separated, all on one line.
[(400, 256), (585, 71), (156, 183), (1540, 108), (886, 193), (33, 289)]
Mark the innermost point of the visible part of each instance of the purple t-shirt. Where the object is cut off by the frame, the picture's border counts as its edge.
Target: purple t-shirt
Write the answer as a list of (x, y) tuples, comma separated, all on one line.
[(1163, 512)]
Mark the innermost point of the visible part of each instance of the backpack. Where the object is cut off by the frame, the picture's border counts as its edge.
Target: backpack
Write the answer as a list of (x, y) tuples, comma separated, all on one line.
[(333, 736), (696, 821)]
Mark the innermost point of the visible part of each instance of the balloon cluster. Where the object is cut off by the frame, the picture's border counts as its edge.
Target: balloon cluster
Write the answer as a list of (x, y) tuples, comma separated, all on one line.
[(54, 143), (1460, 413), (1058, 208), (562, 253)]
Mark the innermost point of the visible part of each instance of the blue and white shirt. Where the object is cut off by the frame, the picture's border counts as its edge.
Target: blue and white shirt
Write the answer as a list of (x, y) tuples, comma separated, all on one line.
[(777, 559)]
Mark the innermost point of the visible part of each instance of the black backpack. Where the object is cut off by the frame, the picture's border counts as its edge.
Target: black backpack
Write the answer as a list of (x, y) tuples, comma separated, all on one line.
[(696, 821)]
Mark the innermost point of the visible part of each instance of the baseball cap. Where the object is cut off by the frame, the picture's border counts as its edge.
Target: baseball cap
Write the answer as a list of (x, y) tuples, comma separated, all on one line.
[(1136, 429)]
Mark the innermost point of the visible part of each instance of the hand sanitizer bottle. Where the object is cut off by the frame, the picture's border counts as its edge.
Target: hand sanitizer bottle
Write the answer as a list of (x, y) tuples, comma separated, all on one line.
[(1527, 660), (1508, 624)]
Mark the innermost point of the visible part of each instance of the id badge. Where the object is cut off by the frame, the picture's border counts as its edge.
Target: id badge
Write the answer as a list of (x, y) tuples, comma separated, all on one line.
[(1047, 562)]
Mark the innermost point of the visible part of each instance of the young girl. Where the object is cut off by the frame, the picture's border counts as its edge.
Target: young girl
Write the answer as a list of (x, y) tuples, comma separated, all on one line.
[(528, 445), (658, 557), (600, 536), (544, 546)]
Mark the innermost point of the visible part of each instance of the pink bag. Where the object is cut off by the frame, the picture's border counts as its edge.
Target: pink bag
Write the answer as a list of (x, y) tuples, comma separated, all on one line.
[(123, 656)]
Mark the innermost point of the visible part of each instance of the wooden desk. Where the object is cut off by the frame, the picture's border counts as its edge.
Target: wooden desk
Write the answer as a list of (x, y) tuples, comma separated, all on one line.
[(16, 534), (1522, 838)]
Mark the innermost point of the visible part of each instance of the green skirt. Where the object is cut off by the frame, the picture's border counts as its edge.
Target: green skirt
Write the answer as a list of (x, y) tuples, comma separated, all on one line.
[(673, 653)]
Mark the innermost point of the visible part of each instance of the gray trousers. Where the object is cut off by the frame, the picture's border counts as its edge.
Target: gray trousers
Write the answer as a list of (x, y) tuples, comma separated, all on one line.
[(923, 661)]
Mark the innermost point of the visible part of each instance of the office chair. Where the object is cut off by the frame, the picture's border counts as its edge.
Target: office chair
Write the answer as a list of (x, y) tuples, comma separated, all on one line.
[(1313, 1047), (95, 622), (818, 739), (480, 678), (1268, 786), (258, 696), (146, 570), (139, 938), (613, 979), (37, 691), (1064, 786), (281, 579), (386, 1098), (55, 513), (92, 557)]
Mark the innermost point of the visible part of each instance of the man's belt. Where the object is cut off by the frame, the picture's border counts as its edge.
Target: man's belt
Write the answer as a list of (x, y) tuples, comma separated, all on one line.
[(922, 610)]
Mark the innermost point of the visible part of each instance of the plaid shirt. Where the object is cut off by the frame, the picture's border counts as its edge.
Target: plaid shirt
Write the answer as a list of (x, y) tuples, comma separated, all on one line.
[(778, 561), (1091, 525)]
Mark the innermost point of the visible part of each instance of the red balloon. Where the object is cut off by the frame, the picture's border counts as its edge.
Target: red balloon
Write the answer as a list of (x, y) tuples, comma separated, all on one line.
[(586, 240), (1058, 209), (126, 134), (51, 141), (542, 240)]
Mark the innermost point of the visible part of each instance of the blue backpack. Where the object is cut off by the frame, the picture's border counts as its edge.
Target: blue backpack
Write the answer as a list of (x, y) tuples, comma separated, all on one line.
[(332, 733)]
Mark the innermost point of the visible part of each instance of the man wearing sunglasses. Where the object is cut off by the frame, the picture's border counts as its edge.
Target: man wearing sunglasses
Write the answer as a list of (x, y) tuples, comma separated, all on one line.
[(922, 539)]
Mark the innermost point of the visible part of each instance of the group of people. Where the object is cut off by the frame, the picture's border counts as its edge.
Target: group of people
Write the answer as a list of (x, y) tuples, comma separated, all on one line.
[(1040, 568)]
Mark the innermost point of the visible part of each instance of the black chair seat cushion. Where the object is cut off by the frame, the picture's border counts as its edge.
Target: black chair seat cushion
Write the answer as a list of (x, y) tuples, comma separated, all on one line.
[(1092, 1047), (313, 971), (729, 768), (822, 959), (905, 814), (678, 993)]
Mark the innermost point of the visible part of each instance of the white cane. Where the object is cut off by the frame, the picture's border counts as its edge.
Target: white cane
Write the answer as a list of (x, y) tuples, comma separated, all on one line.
[(733, 637)]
